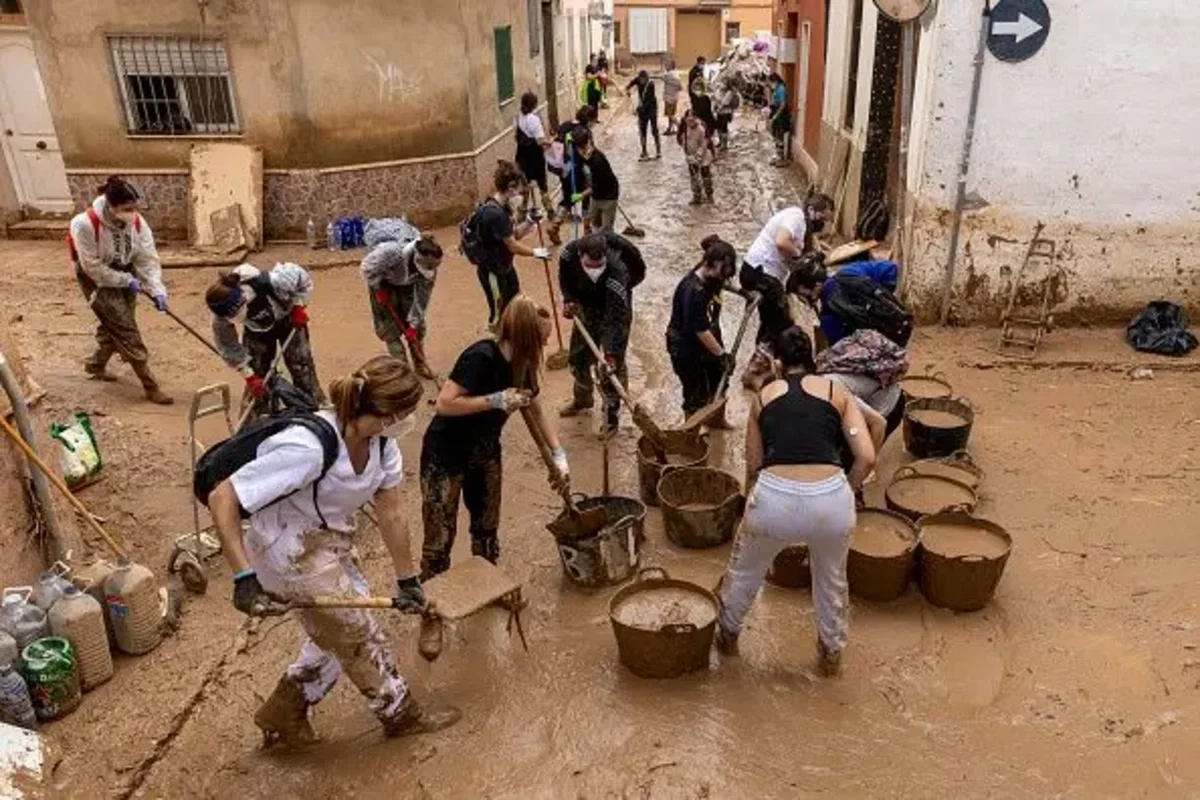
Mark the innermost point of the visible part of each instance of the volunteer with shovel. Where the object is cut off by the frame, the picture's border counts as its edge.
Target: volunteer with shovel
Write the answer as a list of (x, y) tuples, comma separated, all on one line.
[(460, 454), (597, 275), (301, 546), (694, 341), (115, 260), (273, 310), (400, 278)]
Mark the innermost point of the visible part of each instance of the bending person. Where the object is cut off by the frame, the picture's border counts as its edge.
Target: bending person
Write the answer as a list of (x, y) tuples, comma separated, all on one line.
[(400, 276), (270, 307), (301, 544), (797, 493), (460, 454)]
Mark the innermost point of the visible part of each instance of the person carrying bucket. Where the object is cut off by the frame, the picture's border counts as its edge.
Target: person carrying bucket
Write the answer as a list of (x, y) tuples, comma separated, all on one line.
[(797, 493), (301, 545), (400, 276), (694, 340), (115, 260), (460, 454), (272, 308), (597, 275)]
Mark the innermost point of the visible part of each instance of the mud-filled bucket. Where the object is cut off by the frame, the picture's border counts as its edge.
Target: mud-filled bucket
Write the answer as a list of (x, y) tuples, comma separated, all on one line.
[(664, 627), (790, 568), (701, 506), (883, 546), (937, 426), (915, 495), (610, 555), (921, 387), (962, 560), (683, 449), (957, 466)]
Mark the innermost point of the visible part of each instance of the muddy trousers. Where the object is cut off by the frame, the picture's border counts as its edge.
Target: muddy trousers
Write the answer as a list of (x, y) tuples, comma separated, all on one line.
[(384, 319), (702, 182), (478, 480), (263, 346), (699, 377), (335, 640), (781, 513), (118, 331), (774, 316), (649, 123), (500, 287), (581, 361)]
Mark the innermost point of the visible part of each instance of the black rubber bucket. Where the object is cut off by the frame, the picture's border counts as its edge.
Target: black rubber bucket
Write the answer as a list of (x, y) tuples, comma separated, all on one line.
[(936, 427), (610, 555)]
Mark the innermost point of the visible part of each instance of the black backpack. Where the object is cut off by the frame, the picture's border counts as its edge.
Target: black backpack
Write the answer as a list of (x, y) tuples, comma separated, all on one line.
[(471, 243), (874, 222), (860, 303)]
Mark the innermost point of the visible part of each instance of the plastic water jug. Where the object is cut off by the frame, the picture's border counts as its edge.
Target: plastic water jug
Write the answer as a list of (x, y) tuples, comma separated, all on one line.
[(9, 652), (133, 607), (49, 588), (79, 619), (90, 578), (16, 707), (21, 619)]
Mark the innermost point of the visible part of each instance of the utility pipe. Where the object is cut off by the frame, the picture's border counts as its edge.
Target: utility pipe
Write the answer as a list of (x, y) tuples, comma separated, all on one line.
[(964, 165), (906, 99)]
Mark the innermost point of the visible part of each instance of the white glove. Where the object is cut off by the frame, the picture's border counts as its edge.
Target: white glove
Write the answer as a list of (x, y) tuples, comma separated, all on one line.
[(542, 253), (508, 401), (559, 456)]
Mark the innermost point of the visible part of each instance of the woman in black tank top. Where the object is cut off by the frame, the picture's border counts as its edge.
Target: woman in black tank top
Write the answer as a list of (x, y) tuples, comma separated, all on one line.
[(797, 493)]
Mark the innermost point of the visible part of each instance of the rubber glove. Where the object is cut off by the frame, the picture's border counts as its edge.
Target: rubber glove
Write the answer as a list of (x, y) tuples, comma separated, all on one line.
[(508, 400), (559, 457), (410, 596), (299, 317), (135, 286), (160, 302), (256, 386), (251, 598), (410, 333), (576, 198), (383, 297), (541, 253)]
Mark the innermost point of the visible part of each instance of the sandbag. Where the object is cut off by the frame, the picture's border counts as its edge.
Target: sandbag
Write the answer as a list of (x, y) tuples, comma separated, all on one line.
[(1161, 328)]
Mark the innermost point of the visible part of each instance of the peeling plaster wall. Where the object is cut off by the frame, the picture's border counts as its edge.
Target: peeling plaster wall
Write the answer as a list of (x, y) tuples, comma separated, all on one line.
[(1091, 136)]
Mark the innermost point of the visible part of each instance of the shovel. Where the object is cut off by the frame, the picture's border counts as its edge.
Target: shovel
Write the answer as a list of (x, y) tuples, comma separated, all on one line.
[(186, 327), (579, 524), (641, 417), (630, 228), (555, 360), (716, 407)]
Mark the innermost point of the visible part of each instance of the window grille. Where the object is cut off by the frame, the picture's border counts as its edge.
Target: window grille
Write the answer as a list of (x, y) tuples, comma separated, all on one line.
[(174, 86)]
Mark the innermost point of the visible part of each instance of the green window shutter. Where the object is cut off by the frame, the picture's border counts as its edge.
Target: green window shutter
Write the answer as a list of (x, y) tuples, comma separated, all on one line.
[(504, 63)]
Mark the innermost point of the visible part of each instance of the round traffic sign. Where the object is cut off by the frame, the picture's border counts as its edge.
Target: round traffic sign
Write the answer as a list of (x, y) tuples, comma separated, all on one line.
[(902, 10), (1018, 29)]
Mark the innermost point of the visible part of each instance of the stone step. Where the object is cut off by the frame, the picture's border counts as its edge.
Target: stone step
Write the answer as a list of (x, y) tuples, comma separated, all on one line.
[(39, 229)]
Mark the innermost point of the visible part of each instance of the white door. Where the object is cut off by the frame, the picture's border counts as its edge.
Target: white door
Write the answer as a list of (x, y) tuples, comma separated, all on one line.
[(27, 130)]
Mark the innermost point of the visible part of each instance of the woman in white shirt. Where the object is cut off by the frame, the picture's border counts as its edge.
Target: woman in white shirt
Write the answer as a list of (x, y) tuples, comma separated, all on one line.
[(301, 544), (532, 142)]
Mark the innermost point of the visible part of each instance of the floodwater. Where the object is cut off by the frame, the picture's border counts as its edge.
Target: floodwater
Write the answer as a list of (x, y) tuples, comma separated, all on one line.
[(1080, 679)]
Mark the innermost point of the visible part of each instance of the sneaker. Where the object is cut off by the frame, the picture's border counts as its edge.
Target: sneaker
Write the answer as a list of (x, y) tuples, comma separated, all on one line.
[(696, 201), (156, 396), (643, 157), (658, 155), (99, 373), (575, 408)]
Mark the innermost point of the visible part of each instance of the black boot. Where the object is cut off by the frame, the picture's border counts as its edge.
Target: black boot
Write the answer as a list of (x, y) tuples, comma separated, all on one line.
[(486, 545)]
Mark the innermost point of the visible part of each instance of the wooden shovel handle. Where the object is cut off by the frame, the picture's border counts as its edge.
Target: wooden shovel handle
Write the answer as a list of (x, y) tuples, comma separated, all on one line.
[(587, 337), (544, 452), (62, 487), (187, 327), (723, 384)]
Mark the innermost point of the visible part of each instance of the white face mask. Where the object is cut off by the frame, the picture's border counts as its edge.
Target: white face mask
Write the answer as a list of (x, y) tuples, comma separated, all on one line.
[(400, 428), (594, 274), (126, 217), (427, 267), (515, 199)]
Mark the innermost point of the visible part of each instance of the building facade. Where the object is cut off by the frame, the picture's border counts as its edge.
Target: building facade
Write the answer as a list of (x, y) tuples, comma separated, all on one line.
[(647, 31), (1074, 138), (372, 107)]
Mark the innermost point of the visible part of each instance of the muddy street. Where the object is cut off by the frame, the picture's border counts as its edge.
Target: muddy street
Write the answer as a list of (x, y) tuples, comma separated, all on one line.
[(1081, 679)]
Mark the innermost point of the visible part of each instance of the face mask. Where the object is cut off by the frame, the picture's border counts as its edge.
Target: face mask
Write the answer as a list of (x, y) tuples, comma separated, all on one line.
[(816, 225), (515, 199), (126, 217), (400, 428), (426, 266)]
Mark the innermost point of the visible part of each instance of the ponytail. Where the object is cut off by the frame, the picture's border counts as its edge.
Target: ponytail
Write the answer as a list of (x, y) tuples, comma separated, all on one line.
[(383, 386), (118, 192)]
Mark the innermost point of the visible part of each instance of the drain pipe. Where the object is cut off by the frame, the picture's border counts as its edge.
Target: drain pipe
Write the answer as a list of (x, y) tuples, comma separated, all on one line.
[(964, 165), (41, 488)]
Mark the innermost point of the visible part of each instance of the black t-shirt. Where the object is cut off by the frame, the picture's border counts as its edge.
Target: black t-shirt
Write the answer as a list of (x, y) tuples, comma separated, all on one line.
[(481, 369), (605, 185), (494, 226), (694, 310)]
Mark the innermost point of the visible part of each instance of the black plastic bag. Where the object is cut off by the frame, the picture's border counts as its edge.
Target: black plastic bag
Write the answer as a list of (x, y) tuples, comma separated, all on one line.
[(1161, 328)]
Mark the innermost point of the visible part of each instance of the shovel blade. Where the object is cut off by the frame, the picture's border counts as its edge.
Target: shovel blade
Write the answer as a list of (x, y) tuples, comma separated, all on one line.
[(557, 361), (585, 524), (643, 420), (704, 416)]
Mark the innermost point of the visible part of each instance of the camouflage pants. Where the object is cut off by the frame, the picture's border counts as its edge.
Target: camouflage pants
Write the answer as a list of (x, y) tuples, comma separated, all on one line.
[(702, 181), (384, 319), (478, 480), (581, 360), (263, 347), (335, 640), (118, 331)]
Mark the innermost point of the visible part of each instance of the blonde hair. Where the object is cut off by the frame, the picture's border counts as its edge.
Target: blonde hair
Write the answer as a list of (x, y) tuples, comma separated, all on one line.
[(383, 386), (520, 328)]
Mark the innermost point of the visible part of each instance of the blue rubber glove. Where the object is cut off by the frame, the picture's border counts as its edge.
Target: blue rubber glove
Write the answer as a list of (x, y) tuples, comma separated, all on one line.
[(135, 286), (160, 302)]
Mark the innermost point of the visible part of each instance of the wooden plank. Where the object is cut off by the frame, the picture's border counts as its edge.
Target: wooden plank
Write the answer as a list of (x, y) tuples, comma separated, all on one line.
[(468, 587)]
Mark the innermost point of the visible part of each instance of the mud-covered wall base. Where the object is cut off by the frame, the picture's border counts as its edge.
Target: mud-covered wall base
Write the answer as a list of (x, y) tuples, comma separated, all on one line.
[(1108, 273)]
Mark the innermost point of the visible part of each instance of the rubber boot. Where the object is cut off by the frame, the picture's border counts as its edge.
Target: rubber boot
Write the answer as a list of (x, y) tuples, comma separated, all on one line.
[(97, 365), (829, 662), (283, 718), (486, 545), (421, 367), (576, 407), (612, 421), (727, 643), (150, 385), (413, 719)]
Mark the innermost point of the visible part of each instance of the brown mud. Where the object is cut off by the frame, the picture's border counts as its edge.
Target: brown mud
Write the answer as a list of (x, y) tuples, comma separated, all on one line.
[(954, 540), (1079, 679)]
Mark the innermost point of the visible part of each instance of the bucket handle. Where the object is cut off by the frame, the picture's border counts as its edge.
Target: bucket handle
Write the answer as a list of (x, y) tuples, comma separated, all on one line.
[(958, 508), (60, 569), (907, 471), (678, 627), (966, 401), (644, 573)]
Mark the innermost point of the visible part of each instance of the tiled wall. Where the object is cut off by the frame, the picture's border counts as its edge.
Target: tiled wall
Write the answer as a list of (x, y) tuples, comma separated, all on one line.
[(164, 199)]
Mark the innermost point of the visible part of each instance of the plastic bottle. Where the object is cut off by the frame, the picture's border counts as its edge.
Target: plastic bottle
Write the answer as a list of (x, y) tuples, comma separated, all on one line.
[(9, 652), (133, 608), (21, 619), (90, 578), (310, 234), (79, 619), (16, 707), (53, 677), (333, 236), (49, 588)]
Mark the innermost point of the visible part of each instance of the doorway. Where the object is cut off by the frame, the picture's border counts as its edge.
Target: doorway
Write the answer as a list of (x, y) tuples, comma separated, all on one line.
[(697, 33), (29, 141)]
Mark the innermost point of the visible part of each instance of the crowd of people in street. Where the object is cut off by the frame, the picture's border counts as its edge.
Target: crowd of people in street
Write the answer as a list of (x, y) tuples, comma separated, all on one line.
[(824, 388)]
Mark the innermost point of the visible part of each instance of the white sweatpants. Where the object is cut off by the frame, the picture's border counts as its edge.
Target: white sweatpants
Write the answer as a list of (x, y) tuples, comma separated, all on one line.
[(335, 640), (781, 513)]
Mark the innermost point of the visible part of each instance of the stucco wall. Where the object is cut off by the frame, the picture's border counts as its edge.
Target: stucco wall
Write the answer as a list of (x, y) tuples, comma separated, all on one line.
[(1090, 136)]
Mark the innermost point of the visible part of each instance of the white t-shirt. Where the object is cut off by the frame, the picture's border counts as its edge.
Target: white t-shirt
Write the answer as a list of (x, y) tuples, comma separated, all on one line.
[(531, 126), (765, 254), (292, 460)]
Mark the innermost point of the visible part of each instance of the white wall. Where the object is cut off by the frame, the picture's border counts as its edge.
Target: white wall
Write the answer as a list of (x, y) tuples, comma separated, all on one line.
[(1095, 136)]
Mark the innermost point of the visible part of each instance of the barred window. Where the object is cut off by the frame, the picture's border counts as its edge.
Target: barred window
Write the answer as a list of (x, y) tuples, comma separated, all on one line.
[(173, 85)]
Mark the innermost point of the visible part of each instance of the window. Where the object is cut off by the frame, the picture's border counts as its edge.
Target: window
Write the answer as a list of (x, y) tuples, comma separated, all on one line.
[(533, 10), (504, 63), (11, 7), (852, 77), (733, 30), (174, 85), (616, 29), (647, 30)]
